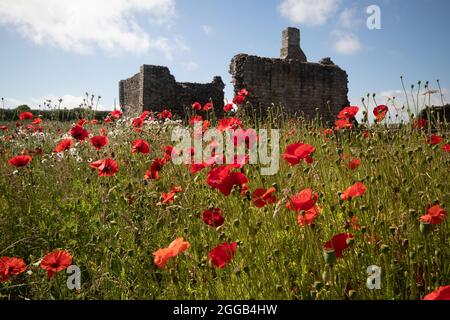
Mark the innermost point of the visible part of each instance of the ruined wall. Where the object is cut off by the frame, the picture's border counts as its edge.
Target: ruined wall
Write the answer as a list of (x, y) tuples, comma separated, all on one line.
[(155, 88), (299, 87)]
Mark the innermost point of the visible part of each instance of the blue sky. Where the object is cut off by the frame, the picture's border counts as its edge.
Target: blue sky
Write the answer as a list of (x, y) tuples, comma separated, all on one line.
[(59, 48)]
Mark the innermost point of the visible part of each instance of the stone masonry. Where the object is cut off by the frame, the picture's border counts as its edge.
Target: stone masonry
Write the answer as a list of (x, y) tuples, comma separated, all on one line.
[(300, 87), (154, 88)]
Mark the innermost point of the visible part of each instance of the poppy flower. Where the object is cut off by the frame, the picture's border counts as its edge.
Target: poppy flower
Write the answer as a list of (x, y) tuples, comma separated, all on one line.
[(155, 168), (342, 124), (20, 161), (63, 145), (11, 267), (107, 120), (434, 139), (243, 92), (354, 163), (25, 116), (296, 152), (441, 293), (162, 256), (348, 112), (221, 255), (4, 128), (380, 112), (137, 123), (229, 124), (338, 243), (446, 147), (116, 114), (304, 200), (261, 197), (106, 167), (419, 123), (356, 190), (99, 142), (82, 122), (37, 121), (169, 197), (140, 146), (94, 121), (196, 106), (165, 114), (144, 115), (213, 217), (168, 151), (56, 261), (238, 99), (435, 215), (196, 118), (222, 179), (208, 106), (228, 107), (79, 133), (197, 167), (327, 132), (308, 217)]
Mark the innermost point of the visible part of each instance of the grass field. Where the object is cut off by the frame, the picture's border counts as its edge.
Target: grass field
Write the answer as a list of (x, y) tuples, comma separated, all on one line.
[(111, 226)]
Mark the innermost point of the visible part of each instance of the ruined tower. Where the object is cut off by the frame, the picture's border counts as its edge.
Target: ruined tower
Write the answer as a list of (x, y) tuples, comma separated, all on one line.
[(290, 45)]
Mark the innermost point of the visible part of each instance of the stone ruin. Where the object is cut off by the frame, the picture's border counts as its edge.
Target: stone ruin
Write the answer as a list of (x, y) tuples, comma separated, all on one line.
[(293, 83), (154, 88), (298, 86)]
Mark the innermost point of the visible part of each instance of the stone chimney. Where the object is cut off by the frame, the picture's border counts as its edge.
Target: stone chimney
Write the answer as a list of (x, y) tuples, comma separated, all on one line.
[(291, 45)]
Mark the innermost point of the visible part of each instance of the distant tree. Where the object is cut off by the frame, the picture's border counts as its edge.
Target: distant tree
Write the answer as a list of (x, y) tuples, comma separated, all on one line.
[(23, 108)]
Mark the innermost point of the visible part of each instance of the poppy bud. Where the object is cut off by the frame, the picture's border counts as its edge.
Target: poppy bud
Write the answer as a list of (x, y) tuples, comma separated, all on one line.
[(384, 248), (425, 228), (329, 256)]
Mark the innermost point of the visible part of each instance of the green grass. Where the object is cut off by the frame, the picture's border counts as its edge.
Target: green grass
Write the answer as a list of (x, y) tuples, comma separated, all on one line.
[(59, 202)]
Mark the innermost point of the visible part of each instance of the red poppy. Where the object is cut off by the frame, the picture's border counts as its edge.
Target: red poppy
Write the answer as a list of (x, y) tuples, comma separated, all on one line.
[(63, 145), (342, 124), (162, 256), (56, 261), (419, 123), (222, 179), (137, 123), (238, 99), (261, 197), (196, 118), (197, 167), (243, 92), (304, 200), (106, 167), (144, 114), (380, 112), (99, 142), (169, 151), (116, 114), (354, 163), (221, 255), (140, 146), (107, 120), (356, 190), (296, 152), (155, 168), (435, 215), (11, 267), (208, 106), (94, 121), (434, 139), (79, 133), (338, 243), (446, 147), (169, 197), (4, 128), (196, 106), (37, 121), (165, 114), (26, 116), (327, 132), (20, 161), (213, 217), (229, 124), (348, 112), (308, 217), (228, 107), (441, 293), (82, 122)]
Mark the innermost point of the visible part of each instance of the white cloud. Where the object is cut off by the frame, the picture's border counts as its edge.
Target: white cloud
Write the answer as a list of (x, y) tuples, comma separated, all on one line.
[(312, 12), (83, 25), (190, 66), (349, 18), (68, 101), (346, 43), (207, 29)]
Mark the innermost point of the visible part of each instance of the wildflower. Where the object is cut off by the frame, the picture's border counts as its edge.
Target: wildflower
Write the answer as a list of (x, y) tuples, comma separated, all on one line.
[(137, 123), (63, 145), (228, 107), (116, 114), (222, 179), (82, 122), (419, 123), (342, 124), (169, 197), (99, 142), (20, 161), (37, 121), (155, 168), (56, 261), (140, 146), (304, 200), (25, 116), (296, 152), (229, 124), (208, 106), (221, 255), (356, 190), (165, 114), (262, 197), (434, 139), (308, 217), (441, 293), (446, 147), (4, 128), (106, 167), (79, 133), (348, 112), (338, 243), (196, 106), (435, 215), (162, 256), (196, 118), (11, 267), (327, 132), (144, 114), (380, 112), (354, 163), (213, 217)]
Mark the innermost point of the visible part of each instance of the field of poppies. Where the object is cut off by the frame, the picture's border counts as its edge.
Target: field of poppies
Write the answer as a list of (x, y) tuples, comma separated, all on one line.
[(107, 197)]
